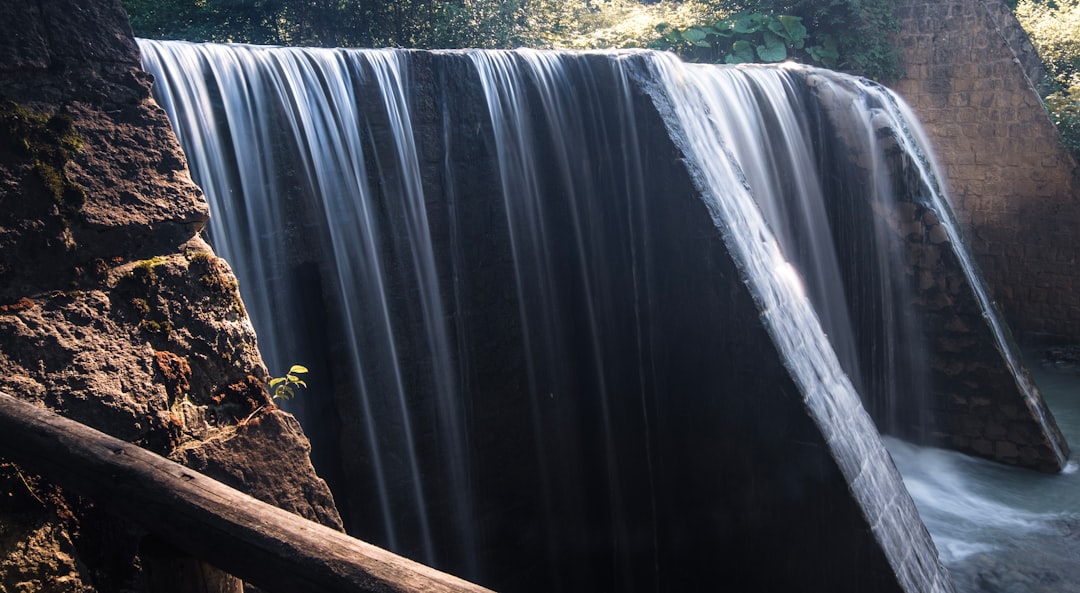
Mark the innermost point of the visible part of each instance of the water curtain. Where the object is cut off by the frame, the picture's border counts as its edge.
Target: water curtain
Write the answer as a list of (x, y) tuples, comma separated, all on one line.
[(494, 220)]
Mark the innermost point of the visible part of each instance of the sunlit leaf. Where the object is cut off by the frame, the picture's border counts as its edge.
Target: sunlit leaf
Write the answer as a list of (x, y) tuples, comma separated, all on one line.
[(793, 26), (746, 24), (772, 53), (777, 28), (741, 52), (693, 35), (773, 50)]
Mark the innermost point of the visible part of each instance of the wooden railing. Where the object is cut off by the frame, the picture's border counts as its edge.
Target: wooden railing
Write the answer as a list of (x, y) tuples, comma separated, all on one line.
[(271, 548)]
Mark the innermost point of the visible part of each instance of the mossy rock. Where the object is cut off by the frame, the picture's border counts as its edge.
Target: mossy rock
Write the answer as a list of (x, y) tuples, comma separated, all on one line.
[(48, 143)]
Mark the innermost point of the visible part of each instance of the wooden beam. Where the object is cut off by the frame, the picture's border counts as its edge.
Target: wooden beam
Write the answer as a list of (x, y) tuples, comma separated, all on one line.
[(276, 550)]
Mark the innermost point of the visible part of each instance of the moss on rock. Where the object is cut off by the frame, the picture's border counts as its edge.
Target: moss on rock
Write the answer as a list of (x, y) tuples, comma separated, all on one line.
[(48, 143)]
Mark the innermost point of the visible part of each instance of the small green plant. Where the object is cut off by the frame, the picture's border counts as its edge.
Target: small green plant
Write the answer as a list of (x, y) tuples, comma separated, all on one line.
[(286, 387)]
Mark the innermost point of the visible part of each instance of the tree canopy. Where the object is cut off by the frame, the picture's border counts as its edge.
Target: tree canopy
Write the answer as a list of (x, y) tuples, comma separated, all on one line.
[(851, 35), (331, 23), (1054, 30)]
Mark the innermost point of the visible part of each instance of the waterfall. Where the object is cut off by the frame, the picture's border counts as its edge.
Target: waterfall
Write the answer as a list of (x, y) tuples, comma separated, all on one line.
[(552, 352), (910, 136), (307, 104), (785, 308), (772, 136)]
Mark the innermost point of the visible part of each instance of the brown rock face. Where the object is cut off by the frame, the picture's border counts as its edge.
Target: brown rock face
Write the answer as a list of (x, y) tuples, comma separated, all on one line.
[(113, 311)]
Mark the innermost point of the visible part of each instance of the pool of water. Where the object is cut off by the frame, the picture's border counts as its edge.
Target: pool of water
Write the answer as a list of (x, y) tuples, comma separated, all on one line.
[(1001, 529)]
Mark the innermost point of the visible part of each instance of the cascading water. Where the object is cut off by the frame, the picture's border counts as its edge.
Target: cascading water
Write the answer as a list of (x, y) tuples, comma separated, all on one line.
[(913, 140), (833, 400), (769, 137), (307, 104), (839, 226), (546, 386), (883, 109), (774, 137)]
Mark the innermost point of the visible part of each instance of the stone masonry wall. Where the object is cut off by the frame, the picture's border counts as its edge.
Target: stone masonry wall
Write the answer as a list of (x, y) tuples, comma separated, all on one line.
[(1014, 188), (972, 399)]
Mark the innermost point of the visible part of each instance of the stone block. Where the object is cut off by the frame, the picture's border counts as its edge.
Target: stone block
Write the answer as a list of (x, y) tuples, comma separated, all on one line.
[(995, 431), (1005, 450)]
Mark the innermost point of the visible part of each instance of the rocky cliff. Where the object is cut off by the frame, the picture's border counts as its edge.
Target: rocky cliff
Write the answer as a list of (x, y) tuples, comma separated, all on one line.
[(113, 310)]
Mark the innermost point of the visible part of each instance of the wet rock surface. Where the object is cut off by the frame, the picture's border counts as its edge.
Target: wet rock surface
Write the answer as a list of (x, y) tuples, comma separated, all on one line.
[(1064, 358), (1037, 563)]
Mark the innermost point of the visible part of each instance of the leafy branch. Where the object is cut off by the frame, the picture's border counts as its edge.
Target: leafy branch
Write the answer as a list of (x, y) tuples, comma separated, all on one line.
[(287, 387)]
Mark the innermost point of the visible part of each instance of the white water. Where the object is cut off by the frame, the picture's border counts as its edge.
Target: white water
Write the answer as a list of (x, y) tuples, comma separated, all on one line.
[(227, 101), (768, 134), (772, 135), (701, 115), (503, 77), (1001, 529)]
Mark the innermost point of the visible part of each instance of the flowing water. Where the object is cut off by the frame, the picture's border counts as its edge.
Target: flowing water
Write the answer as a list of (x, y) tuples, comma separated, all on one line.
[(228, 102), (1001, 529), (774, 137), (831, 397), (304, 151)]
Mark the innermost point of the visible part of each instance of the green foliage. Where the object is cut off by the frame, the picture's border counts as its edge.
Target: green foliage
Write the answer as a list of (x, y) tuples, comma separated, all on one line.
[(330, 23), (569, 24), (748, 37), (851, 35), (488, 25), (1064, 108), (604, 24), (863, 31), (312, 22), (1054, 30), (141, 305), (286, 387), (158, 328)]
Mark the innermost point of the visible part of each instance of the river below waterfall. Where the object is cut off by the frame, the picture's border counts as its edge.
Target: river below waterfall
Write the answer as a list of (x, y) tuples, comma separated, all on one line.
[(1001, 529)]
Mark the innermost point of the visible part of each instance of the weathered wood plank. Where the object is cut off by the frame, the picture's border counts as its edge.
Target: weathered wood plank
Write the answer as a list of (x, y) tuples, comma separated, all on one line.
[(271, 548)]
